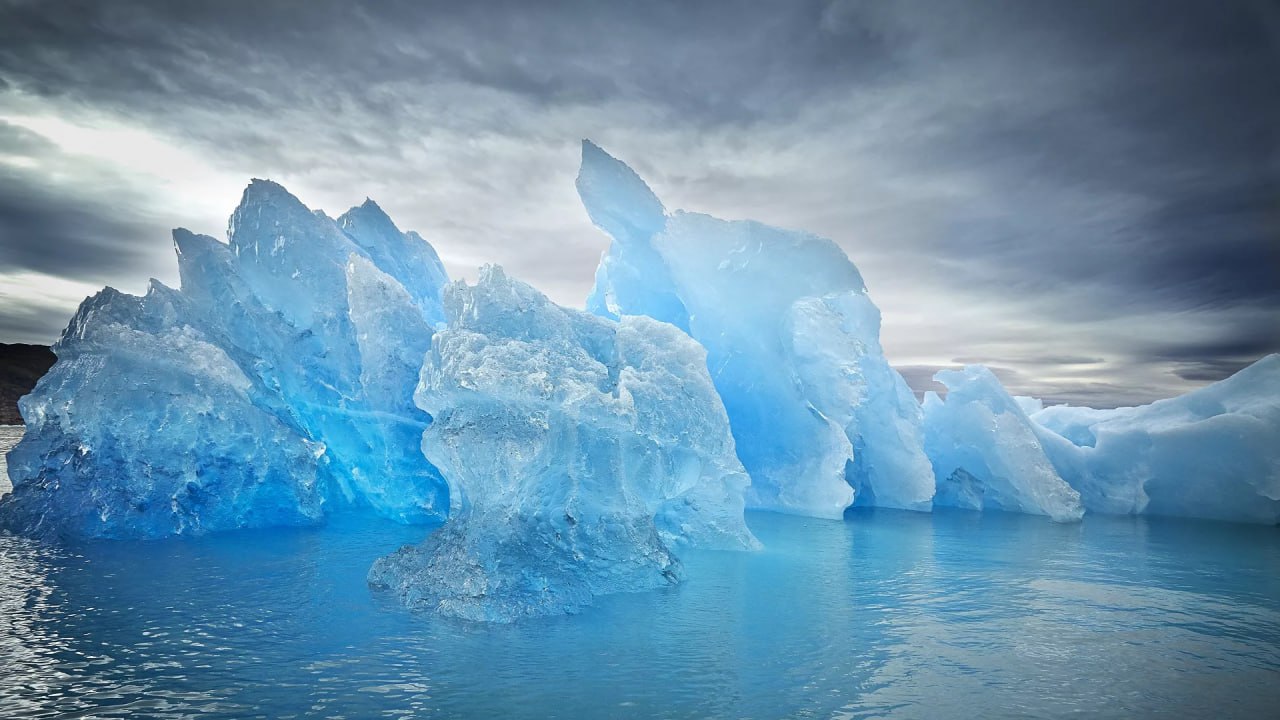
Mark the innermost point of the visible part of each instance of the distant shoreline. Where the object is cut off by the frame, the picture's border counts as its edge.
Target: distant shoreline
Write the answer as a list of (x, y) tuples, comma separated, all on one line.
[(21, 367)]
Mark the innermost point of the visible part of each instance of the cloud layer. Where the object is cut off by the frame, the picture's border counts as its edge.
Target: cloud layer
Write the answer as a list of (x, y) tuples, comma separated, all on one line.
[(1084, 195)]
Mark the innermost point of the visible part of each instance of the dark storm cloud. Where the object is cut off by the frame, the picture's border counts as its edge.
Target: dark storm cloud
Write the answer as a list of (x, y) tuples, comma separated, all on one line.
[(1215, 359), (1065, 165), (76, 231), (1144, 166), (26, 321), (45, 231), (713, 60)]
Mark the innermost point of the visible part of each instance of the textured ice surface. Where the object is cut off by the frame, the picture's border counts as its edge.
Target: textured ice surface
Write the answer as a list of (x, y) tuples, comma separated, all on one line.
[(792, 344), (144, 428), (580, 452), (273, 388), (1212, 453), (986, 453), (277, 386), (406, 257)]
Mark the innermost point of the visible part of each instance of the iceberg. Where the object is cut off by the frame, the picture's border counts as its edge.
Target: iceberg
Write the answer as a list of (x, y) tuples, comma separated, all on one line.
[(145, 427), (274, 387), (820, 418), (986, 452), (309, 366), (581, 454), (1212, 453)]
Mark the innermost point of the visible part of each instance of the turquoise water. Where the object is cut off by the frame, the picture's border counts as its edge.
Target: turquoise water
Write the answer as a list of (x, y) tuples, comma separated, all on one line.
[(886, 614)]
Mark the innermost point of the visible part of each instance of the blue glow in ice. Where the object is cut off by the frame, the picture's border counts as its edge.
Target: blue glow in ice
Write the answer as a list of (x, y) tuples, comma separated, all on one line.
[(581, 454), (985, 451), (792, 344), (273, 388)]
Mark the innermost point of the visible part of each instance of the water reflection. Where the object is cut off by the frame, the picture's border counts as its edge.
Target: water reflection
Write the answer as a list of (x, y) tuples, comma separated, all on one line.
[(9, 436), (887, 614)]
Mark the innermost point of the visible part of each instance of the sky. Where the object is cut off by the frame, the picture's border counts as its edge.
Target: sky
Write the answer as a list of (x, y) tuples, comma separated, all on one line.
[(1084, 196)]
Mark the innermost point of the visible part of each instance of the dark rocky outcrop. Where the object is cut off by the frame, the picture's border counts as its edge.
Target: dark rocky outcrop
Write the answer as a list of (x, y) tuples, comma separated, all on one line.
[(20, 367)]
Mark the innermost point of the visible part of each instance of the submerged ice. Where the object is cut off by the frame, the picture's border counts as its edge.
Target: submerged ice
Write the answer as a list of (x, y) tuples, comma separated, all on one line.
[(821, 419), (274, 387), (581, 454)]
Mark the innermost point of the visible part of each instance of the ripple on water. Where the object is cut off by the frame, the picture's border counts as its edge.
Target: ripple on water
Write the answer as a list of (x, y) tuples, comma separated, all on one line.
[(886, 614), (9, 436)]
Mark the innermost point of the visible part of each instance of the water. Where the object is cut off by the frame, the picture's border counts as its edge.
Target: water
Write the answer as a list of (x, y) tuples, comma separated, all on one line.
[(9, 436), (887, 614)]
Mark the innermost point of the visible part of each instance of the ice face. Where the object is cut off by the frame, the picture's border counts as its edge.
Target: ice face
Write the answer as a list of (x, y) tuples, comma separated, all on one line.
[(792, 344), (145, 428), (393, 335), (128, 437), (985, 451), (1212, 453), (406, 257), (581, 454)]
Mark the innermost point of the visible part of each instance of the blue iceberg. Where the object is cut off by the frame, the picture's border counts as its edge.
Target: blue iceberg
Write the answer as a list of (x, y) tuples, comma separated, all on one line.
[(986, 453), (275, 387), (1212, 453), (146, 427), (820, 418), (581, 453), (574, 453)]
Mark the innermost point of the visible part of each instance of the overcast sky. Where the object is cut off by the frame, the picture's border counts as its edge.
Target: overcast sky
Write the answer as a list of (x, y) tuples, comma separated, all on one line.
[(1083, 195)]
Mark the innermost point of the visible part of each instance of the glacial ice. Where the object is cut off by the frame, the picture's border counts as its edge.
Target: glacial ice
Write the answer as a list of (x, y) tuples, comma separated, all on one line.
[(986, 453), (275, 387), (581, 453), (575, 452), (405, 256), (1212, 453), (144, 427), (820, 418)]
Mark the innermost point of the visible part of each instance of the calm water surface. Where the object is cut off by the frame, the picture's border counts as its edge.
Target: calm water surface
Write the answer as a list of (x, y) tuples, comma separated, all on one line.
[(887, 614)]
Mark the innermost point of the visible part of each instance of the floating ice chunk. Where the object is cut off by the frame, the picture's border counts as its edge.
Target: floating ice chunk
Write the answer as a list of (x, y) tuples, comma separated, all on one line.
[(144, 428), (580, 452), (792, 344), (1212, 453), (985, 451), (316, 351)]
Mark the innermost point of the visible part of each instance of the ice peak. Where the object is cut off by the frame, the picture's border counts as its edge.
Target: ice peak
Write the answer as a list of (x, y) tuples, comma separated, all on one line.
[(267, 212), (616, 198), (260, 190), (367, 215), (405, 256), (190, 244)]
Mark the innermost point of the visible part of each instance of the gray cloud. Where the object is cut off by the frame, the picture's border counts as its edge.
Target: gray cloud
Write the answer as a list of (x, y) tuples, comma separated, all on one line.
[(67, 218), (27, 321), (1035, 183)]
